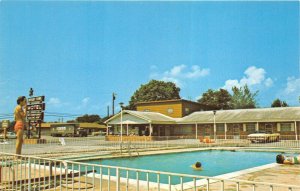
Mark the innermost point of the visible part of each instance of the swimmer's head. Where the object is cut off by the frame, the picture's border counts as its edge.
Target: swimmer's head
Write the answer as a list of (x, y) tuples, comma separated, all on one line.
[(198, 165), (280, 159)]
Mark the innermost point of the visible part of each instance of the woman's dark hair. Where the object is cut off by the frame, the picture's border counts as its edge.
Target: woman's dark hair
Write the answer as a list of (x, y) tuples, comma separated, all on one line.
[(20, 99), (280, 159), (198, 164)]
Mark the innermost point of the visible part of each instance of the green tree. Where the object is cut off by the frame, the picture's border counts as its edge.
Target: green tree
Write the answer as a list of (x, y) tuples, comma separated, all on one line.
[(154, 90), (88, 118), (243, 98), (216, 99), (278, 103)]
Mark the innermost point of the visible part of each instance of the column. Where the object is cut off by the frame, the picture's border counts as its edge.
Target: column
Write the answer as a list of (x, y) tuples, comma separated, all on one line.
[(150, 129), (225, 131), (196, 130), (296, 130)]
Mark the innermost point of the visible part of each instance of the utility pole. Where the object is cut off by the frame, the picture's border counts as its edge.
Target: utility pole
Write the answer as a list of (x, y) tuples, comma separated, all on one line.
[(113, 103), (108, 111), (29, 126)]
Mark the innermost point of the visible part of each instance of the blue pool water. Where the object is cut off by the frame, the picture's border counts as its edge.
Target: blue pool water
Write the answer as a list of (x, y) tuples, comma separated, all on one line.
[(214, 163)]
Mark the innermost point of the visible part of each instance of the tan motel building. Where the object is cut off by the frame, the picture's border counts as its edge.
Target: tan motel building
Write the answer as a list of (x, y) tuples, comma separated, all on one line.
[(155, 122)]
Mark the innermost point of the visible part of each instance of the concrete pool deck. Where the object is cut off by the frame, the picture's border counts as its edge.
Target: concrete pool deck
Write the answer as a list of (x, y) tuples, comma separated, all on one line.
[(277, 174)]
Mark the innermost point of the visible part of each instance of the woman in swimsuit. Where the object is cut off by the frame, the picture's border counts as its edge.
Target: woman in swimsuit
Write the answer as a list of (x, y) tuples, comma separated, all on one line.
[(20, 118), (287, 160)]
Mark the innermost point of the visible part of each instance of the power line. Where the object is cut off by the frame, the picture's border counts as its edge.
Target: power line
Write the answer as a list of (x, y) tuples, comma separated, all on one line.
[(6, 114)]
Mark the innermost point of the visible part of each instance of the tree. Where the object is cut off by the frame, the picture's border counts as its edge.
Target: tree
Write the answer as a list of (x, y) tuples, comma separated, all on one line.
[(154, 91), (243, 98), (88, 118), (278, 103), (216, 99)]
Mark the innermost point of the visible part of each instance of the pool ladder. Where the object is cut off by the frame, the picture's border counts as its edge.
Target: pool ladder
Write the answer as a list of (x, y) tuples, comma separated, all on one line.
[(129, 148)]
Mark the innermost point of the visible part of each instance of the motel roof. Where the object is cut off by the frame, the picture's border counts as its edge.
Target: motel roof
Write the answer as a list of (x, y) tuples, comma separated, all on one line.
[(92, 126), (279, 114), (167, 101), (81, 125), (140, 117)]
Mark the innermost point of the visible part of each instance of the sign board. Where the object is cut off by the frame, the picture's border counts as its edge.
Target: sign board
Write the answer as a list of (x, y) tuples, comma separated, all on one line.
[(5, 123), (35, 116), (35, 112), (36, 99), (34, 123), (34, 107), (61, 128)]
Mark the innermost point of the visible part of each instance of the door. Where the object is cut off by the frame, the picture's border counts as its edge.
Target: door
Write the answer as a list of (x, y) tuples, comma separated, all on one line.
[(236, 132), (207, 131)]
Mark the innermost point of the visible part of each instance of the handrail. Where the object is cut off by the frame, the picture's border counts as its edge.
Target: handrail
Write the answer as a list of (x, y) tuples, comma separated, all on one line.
[(155, 172)]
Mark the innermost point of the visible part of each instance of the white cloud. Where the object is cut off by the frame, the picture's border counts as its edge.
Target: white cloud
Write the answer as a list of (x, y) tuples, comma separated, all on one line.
[(85, 101), (253, 76), (54, 101), (231, 83), (268, 82), (176, 71), (179, 73), (291, 92), (171, 79), (293, 85), (197, 72)]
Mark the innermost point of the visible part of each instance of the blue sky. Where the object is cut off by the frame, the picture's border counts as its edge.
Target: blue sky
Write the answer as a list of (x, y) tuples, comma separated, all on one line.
[(78, 53)]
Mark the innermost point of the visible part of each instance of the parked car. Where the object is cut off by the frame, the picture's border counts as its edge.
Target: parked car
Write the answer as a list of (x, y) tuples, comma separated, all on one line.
[(81, 133), (9, 135), (99, 133), (263, 137)]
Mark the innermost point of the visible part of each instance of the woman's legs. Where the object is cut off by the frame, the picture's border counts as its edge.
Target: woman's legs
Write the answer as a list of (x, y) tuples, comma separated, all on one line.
[(19, 141)]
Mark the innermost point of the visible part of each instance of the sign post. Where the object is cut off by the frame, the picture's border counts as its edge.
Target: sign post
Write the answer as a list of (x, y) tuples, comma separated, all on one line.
[(35, 113), (5, 126)]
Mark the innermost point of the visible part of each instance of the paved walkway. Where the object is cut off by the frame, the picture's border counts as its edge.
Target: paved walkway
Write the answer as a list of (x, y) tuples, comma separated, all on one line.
[(282, 174)]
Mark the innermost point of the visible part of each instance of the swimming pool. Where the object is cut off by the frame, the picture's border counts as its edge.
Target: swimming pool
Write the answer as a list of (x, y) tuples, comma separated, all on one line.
[(214, 162)]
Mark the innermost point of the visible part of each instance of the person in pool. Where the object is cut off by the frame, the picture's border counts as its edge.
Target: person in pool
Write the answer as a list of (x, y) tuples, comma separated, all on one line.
[(281, 159), (197, 166)]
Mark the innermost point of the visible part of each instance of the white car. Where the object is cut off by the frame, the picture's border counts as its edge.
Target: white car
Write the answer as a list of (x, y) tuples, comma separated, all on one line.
[(262, 137), (9, 135)]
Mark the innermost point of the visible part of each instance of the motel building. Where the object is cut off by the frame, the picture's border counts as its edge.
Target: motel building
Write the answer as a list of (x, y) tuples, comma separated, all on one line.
[(90, 128), (173, 119)]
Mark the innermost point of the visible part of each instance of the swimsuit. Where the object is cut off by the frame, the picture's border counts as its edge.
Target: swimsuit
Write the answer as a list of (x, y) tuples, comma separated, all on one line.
[(19, 126)]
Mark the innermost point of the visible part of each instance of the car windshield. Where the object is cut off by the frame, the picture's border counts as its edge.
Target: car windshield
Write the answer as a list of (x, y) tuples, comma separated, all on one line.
[(264, 132), (260, 132)]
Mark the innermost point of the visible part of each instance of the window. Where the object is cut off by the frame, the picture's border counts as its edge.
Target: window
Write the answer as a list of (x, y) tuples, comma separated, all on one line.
[(250, 127), (220, 127), (187, 110), (269, 128), (170, 110), (285, 127)]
